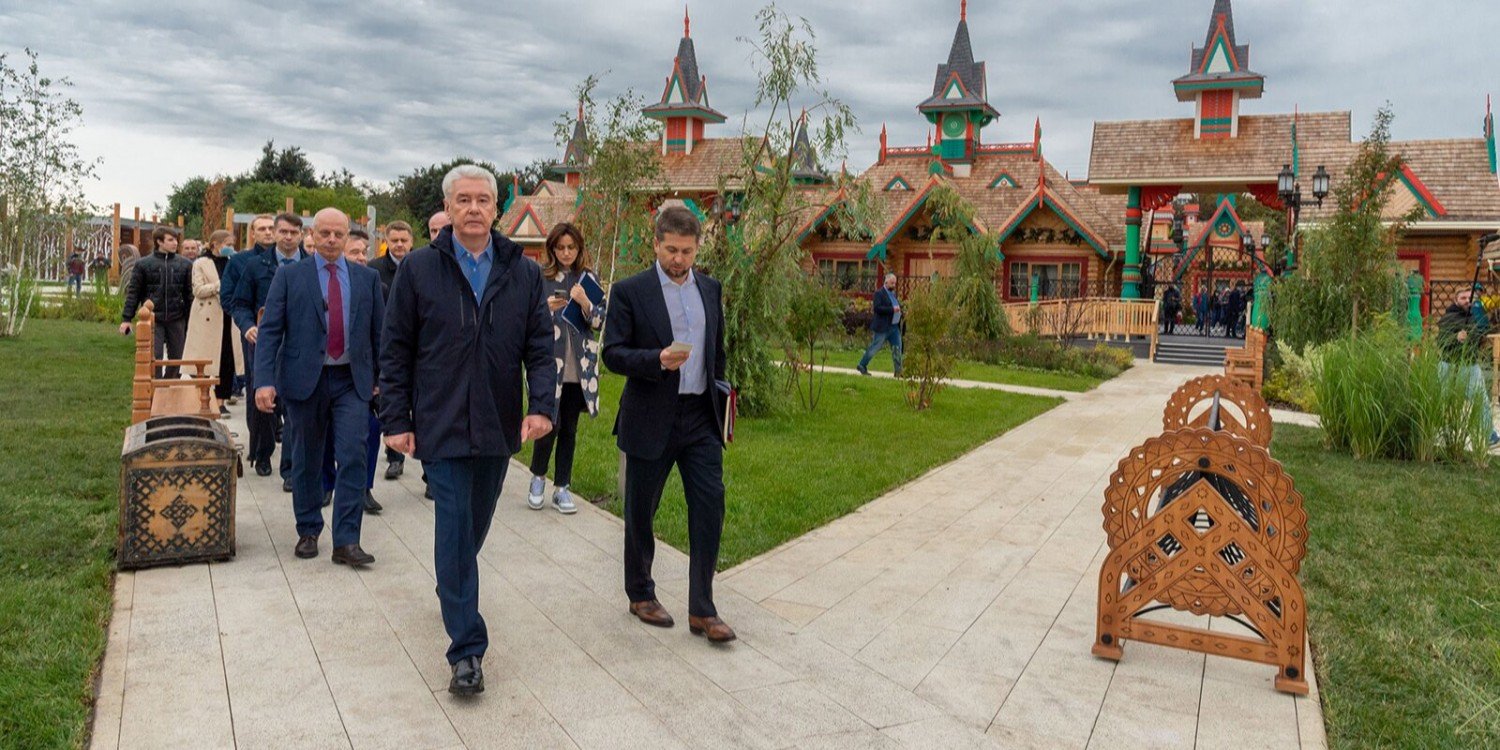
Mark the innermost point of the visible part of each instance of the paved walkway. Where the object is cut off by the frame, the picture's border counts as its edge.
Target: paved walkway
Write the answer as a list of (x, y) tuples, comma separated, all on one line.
[(954, 612)]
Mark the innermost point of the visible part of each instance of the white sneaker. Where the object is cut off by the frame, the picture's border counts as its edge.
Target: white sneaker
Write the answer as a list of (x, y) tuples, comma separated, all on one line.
[(562, 500), (534, 496)]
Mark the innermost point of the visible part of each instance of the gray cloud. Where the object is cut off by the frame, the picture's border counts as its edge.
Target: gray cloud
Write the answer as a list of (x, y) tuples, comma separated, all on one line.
[(187, 87)]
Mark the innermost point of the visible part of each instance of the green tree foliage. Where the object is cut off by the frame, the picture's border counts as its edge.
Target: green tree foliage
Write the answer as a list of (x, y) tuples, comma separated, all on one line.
[(930, 324), (42, 176), (758, 257), (813, 314), (288, 166), (975, 299), (614, 207), (1348, 276), (270, 197)]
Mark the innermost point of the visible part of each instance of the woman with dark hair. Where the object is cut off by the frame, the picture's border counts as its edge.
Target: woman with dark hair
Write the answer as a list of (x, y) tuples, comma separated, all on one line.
[(577, 355)]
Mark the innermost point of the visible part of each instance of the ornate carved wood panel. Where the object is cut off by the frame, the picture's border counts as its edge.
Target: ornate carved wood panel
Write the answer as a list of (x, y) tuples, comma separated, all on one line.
[(1242, 410), (177, 492)]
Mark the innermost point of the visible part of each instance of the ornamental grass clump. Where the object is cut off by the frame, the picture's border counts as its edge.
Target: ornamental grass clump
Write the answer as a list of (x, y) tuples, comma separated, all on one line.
[(1380, 398)]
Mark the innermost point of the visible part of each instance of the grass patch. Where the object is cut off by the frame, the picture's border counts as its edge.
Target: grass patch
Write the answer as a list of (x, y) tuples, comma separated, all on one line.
[(789, 474), (1403, 589), (62, 412), (977, 371)]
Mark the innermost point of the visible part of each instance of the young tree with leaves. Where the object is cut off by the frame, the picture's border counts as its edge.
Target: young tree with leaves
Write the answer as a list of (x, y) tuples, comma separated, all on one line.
[(42, 176)]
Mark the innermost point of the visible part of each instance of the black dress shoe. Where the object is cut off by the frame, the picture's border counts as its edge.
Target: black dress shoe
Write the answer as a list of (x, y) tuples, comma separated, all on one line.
[(328, 498), (263, 468), (468, 677), (307, 547), (286, 485), (372, 507), (351, 554), (394, 469)]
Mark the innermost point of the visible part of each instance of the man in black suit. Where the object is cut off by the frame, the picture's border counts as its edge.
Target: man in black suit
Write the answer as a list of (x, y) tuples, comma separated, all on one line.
[(250, 293), (665, 333), (398, 238), (467, 315), (320, 338)]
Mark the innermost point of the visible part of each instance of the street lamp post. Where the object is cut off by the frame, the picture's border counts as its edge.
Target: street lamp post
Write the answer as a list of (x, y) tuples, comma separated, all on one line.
[(1289, 190)]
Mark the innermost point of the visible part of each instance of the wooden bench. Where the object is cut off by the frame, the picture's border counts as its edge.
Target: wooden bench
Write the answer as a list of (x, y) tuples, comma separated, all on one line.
[(1247, 366), (159, 397)]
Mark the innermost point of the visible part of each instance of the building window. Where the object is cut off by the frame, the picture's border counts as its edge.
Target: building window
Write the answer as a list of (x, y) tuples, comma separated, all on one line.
[(1054, 280), (846, 275)]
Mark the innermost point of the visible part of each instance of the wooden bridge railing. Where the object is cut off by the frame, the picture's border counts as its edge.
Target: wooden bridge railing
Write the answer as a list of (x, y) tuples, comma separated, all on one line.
[(1086, 317)]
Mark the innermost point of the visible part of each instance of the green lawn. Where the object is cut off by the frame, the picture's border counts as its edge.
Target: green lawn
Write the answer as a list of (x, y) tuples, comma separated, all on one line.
[(787, 475), (1403, 588), (63, 407), (978, 371)]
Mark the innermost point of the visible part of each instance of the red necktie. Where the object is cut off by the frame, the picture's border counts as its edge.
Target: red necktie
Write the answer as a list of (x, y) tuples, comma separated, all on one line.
[(335, 313)]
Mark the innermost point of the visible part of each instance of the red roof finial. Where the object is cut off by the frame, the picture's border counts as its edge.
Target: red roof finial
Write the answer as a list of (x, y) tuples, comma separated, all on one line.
[(580, 110), (687, 23), (1036, 139), (882, 143), (963, 10)]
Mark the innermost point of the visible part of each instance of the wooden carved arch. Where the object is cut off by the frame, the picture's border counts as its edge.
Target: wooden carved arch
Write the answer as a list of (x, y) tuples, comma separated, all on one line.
[(1242, 411), (1205, 522)]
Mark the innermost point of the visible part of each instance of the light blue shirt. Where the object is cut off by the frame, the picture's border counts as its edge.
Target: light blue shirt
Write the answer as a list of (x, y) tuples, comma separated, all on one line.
[(685, 307), (477, 271), (323, 275)]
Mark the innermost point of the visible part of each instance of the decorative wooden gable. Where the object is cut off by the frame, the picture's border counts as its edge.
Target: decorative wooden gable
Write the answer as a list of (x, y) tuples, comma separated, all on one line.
[(1004, 180), (527, 225), (1408, 193), (897, 183)]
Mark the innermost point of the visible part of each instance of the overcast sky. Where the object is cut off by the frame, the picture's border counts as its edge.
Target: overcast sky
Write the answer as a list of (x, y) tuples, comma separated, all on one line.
[(176, 88)]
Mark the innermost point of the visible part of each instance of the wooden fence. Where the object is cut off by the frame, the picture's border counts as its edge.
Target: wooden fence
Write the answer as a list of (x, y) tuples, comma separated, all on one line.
[(1086, 317)]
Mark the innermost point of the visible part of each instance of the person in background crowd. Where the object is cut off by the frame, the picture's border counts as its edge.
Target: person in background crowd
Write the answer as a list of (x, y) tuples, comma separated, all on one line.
[(320, 335), (436, 223), (76, 269), (577, 355), (398, 242), (129, 256), (1200, 309), (1235, 310), (191, 249), (1171, 307), (467, 316), (665, 334), (166, 279), (356, 250), (222, 243), (886, 325), (262, 239), (250, 294), (211, 334), (1461, 333)]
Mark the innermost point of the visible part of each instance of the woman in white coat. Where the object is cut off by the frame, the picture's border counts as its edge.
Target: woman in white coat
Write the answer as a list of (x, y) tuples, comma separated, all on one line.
[(212, 334)]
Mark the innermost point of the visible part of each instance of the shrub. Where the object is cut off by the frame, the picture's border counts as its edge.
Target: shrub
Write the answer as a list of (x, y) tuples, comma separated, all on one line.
[(1290, 377), (856, 317), (1379, 399), (929, 359), (1031, 351), (812, 314)]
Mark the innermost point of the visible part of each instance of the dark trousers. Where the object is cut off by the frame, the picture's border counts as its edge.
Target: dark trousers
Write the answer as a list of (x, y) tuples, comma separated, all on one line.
[(167, 342), (225, 387), (372, 455), (564, 435), (262, 425), (464, 491), (695, 449), (334, 405)]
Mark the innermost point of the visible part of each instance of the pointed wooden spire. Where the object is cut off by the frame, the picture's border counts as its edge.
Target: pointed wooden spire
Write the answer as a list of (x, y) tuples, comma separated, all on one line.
[(687, 23)]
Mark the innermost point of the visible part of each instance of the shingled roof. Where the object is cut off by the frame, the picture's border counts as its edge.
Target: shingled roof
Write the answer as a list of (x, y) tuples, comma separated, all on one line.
[(531, 217), (1162, 152), (1454, 174), (804, 156), (694, 85)]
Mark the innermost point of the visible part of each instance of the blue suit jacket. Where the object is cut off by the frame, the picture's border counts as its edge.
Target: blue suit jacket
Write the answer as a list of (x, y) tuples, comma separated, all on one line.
[(884, 308), (293, 338)]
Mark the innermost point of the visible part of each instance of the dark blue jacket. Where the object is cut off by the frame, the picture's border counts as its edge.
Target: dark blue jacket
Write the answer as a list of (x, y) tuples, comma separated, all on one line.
[(885, 310), (293, 337), (231, 278), (450, 367), (637, 329), (254, 284)]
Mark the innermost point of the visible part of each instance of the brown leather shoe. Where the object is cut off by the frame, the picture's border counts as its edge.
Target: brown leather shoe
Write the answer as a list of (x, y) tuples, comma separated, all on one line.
[(711, 628), (352, 555), (652, 613)]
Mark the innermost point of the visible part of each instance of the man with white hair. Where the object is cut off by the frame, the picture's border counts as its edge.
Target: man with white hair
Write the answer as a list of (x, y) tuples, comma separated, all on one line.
[(885, 325), (319, 343), (467, 314)]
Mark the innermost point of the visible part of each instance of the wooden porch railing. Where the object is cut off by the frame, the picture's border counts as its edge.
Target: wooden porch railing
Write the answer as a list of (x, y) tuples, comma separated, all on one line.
[(1086, 317)]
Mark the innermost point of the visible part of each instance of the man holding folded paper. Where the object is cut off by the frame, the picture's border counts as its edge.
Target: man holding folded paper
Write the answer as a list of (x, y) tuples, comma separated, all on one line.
[(665, 333)]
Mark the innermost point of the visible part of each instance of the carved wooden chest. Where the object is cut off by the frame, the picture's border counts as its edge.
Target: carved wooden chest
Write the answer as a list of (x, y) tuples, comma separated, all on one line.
[(177, 485)]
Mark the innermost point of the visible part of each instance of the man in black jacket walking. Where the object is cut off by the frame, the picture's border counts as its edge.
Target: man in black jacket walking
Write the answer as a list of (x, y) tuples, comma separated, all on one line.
[(665, 333), (167, 280), (466, 314)]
